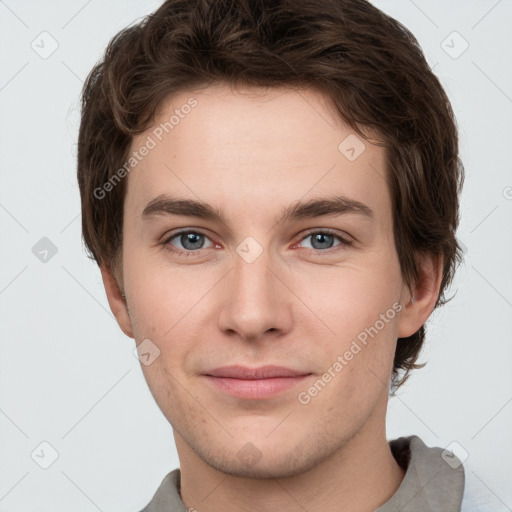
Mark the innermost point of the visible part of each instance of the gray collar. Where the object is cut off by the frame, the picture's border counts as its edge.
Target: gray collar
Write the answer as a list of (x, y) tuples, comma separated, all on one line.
[(432, 481), (430, 484)]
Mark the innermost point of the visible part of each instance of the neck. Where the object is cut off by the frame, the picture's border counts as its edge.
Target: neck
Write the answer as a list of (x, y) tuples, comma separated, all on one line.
[(359, 477)]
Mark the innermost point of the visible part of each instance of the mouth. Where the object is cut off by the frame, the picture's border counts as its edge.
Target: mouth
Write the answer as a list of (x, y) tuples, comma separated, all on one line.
[(254, 383)]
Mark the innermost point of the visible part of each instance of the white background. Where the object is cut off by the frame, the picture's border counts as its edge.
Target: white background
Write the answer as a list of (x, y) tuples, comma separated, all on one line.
[(67, 373)]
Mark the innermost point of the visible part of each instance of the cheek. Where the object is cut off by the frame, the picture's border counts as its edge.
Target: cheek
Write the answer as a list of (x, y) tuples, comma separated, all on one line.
[(162, 299), (359, 309), (171, 307), (347, 299)]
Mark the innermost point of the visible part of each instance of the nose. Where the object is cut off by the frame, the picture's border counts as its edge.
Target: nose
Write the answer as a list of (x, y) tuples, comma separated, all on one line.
[(256, 301)]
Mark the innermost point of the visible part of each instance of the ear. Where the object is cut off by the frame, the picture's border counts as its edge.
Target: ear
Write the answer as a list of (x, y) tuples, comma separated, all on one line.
[(419, 301), (116, 301)]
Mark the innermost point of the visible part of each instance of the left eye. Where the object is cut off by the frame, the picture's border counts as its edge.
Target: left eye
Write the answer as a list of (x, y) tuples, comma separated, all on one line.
[(324, 239)]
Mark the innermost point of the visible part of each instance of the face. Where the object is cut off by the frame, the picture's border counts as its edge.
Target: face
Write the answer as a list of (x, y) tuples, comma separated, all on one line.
[(239, 283)]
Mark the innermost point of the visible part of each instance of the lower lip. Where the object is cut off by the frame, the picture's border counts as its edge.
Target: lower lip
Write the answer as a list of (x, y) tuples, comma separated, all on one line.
[(255, 389)]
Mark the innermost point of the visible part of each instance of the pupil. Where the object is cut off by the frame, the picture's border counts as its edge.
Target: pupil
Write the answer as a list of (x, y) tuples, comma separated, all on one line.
[(190, 238), (318, 238)]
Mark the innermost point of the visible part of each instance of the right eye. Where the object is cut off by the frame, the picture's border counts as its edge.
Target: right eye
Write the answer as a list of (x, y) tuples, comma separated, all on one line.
[(191, 241)]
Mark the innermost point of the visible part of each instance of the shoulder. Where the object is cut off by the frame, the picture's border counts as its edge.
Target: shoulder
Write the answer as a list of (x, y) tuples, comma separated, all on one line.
[(166, 497), (477, 494), (432, 481)]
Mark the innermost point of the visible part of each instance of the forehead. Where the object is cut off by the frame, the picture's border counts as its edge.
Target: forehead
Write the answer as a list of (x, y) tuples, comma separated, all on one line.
[(255, 146)]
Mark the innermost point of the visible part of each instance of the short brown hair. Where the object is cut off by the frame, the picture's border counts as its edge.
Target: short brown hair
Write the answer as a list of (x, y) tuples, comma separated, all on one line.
[(366, 63)]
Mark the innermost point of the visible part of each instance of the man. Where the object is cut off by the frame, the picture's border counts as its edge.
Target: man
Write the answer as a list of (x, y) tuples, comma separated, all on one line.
[(270, 189)]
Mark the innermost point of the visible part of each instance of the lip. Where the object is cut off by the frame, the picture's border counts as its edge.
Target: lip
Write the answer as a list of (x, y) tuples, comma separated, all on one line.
[(262, 372), (254, 383)]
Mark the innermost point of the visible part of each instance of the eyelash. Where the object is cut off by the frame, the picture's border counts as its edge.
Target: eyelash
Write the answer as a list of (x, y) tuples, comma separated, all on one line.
[(167, 242)]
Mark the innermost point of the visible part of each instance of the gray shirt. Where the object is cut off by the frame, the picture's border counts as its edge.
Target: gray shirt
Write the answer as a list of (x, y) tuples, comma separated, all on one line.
[(432, 482)]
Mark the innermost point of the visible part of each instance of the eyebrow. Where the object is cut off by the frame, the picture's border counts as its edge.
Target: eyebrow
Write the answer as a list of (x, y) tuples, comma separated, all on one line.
[(332, 206)]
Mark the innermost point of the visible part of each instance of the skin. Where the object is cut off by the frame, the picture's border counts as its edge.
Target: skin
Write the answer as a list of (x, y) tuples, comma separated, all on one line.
[(252, 152)]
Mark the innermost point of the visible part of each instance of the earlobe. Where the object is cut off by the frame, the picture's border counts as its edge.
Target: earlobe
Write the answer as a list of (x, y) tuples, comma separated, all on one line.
[(420, 300), (116, 300)]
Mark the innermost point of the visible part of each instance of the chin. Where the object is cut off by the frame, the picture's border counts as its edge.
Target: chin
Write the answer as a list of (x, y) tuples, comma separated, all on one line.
[(276, 460)]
